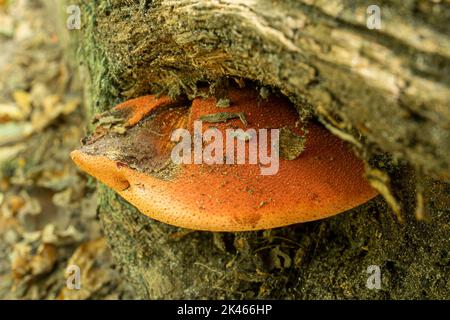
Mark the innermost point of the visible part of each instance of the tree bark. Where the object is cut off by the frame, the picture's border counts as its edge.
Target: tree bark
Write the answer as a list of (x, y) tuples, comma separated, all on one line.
[(386, 91)]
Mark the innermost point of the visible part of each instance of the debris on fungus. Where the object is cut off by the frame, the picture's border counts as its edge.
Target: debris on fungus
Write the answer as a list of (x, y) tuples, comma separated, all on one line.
[(322, 178), (223, 103), (291, 144), (224, 117)]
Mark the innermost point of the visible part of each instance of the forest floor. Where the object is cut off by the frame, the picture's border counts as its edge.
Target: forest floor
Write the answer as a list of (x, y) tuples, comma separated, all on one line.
[(48, 210)]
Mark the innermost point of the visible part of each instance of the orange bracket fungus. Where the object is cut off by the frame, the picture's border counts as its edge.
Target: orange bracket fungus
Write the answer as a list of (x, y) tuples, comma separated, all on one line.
[(246, 166)]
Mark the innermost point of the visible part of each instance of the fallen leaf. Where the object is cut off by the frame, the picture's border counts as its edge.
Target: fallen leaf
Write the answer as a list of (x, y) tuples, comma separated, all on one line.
[(89, 257), (11, 112), (14, 131), (23, 101)]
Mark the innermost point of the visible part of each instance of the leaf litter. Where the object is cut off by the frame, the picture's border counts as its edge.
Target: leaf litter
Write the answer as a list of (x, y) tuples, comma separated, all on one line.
[(48, 217)]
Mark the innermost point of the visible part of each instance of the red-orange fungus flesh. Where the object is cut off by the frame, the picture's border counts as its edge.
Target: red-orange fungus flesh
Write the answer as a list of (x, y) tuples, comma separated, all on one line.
[(324, 180)]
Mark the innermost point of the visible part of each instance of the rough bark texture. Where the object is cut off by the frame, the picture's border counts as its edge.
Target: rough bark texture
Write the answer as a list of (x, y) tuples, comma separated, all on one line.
[(383, 90)]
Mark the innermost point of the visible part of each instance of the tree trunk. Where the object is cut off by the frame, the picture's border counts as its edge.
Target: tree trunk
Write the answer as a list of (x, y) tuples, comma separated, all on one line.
[(386, 91)]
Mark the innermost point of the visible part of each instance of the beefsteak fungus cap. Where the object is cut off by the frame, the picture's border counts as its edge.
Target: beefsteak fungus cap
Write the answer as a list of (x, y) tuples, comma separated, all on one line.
[(317, 175)]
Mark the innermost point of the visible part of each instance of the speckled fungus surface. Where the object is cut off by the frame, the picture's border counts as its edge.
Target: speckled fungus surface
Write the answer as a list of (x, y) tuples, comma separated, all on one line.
[(322, 180)]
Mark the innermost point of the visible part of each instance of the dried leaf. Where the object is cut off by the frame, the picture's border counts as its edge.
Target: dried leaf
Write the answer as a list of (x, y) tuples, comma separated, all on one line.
[(11, 112), (13, 132), (71, 235), (24, 262), (89, 257), (9, 152), (23, 101), (223, 103)]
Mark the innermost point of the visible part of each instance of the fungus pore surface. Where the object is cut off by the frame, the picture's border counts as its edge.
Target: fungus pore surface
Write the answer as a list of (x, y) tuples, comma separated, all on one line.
[(323, 177)]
